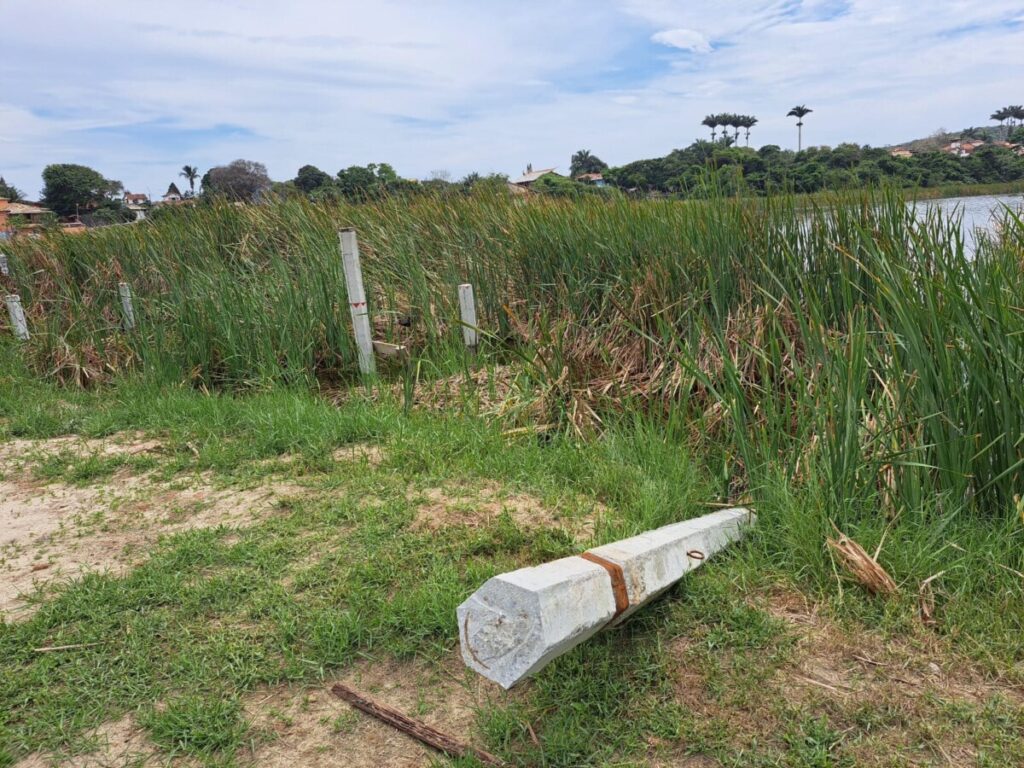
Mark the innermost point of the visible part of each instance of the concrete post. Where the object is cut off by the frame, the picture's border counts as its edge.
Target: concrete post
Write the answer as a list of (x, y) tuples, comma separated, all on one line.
[(357, 300), (518, 622), (467, 311), (5, 268), (17, 315), (126, 305)]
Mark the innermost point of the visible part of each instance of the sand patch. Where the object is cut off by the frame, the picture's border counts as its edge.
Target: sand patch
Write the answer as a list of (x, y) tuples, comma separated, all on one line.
[(311, 727), (864, 664), (53, 532), (438, 508), (883, 695), (359, 453), (119, 743), (121, 444)]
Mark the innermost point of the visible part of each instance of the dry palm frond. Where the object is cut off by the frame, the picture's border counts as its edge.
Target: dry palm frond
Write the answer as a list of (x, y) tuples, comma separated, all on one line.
[(861, 566)]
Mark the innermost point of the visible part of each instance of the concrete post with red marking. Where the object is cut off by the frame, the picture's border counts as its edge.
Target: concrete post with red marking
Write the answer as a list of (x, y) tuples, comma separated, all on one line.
[(357, 300), (518, 622)]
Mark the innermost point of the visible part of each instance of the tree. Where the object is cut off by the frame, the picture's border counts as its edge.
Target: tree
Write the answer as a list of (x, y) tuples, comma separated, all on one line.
[(725, 120), (1016, 114), (9, 191), (242, 180), (799, 112), (559, 186), (310, 178), (711, 121), (368, 183), (474, 181), (191, 173), (747, 122), (70, 189), (585, 162), (736, 121), (1001, 115)]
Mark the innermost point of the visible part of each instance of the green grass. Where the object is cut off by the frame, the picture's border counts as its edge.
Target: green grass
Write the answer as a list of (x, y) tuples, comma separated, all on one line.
[(341, 575), (197, 726)]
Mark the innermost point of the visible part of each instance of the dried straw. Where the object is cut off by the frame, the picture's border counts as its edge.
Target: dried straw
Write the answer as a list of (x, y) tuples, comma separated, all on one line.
[(864, 568)]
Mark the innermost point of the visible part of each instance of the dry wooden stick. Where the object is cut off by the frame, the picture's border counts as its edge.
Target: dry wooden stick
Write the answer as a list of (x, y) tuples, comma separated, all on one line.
[(73, 646), (415, 728)]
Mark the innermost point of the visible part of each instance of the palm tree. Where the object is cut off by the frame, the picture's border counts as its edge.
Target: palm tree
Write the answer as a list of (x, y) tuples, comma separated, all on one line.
[(1016, 113), (190, 173), (799, 112), (579, 162), (733, 121), (711, 121), (748, 122), (584, 162), (1001, 115)]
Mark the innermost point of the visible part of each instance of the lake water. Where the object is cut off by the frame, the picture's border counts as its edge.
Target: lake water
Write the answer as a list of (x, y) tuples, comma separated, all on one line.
[(978, 213)]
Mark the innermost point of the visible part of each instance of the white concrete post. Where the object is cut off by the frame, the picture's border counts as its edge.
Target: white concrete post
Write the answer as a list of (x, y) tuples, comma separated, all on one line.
[(17, 315), (467, 311), (518, 622), (5, 268), (126, 305), (357, 300)]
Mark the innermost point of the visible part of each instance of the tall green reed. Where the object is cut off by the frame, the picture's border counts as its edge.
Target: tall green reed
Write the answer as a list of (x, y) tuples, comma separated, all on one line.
[(839, 341)]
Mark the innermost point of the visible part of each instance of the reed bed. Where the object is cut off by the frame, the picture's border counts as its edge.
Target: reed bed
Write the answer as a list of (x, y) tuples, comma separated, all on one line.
[(845, 345)]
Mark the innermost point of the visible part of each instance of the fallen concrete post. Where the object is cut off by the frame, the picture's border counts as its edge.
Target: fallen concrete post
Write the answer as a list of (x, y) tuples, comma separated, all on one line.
[(518, 622)]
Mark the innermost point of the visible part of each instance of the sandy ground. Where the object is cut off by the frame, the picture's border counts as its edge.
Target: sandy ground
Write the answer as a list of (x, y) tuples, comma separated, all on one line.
[(844, 672), (53, 531), (312, 727), (119, 744)]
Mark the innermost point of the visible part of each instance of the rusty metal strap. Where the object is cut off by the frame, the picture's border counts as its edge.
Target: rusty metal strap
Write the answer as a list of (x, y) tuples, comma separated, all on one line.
[(618, 581)]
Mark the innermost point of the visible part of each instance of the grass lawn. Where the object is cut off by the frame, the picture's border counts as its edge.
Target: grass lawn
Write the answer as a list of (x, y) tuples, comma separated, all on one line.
[(197, 569)]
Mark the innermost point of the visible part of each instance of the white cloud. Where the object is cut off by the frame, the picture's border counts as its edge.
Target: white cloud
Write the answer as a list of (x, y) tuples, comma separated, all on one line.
[(137, 90), (684, 39)]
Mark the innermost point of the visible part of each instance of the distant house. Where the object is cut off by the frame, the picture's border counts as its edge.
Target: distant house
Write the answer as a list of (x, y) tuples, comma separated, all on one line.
[(173, 194), (901, 152), (530, 176), (138, 204), (962, 148), (21, 217), (594, 179)]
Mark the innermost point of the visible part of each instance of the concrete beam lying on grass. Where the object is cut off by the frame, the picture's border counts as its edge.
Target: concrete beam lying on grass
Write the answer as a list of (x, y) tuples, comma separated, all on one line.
[(518, 622)]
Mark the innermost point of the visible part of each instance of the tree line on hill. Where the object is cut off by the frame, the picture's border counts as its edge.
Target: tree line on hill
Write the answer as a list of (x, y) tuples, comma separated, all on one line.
[(771, 169), (717, 166)]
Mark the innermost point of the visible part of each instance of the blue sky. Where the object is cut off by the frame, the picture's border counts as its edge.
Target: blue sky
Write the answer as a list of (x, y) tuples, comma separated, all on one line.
[(138, 90)]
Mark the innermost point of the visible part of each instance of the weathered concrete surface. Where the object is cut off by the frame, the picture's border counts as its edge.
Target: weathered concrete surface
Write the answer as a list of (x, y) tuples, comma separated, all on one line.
[(518, 622)]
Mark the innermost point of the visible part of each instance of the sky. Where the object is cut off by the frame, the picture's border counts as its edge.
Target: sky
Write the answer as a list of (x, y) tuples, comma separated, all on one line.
[(136, 90)]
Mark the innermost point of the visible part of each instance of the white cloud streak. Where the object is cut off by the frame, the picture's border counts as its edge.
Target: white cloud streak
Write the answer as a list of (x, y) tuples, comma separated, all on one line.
[(684, 39)]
